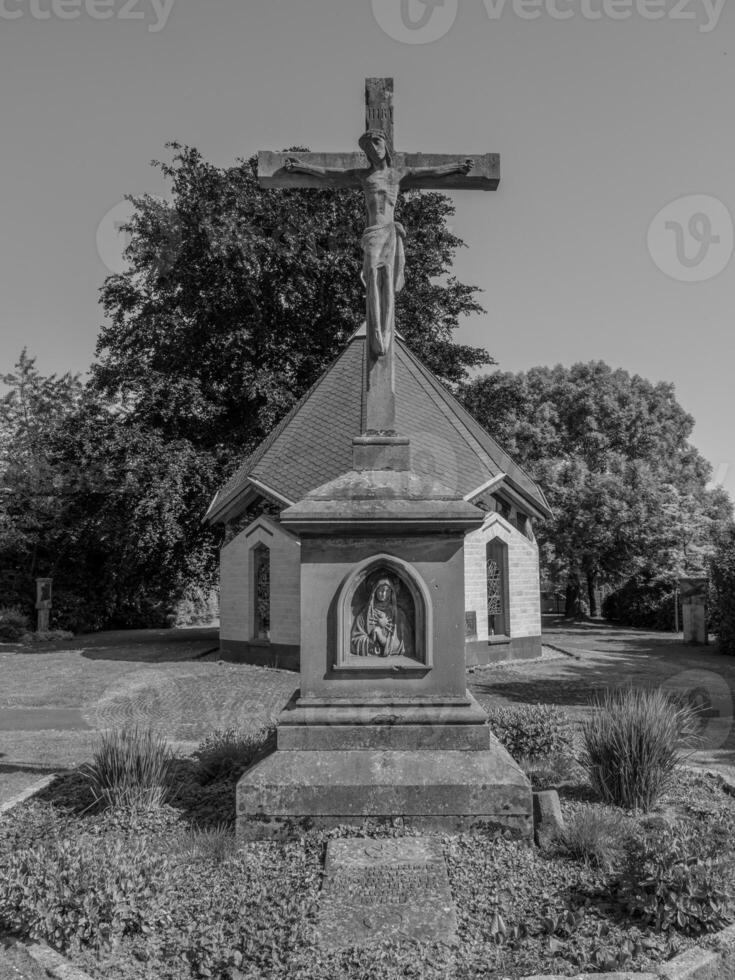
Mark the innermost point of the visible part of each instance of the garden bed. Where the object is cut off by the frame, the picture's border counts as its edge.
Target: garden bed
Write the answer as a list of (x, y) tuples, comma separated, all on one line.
[(165, 894)]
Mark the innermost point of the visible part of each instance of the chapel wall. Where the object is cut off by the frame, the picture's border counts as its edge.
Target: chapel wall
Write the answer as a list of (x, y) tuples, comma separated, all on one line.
[(234, 590), (237, 593), (524, 607)]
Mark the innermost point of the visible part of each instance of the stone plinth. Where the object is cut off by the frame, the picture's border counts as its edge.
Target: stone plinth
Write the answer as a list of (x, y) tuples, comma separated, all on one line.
[(434, 790), (316, 724)]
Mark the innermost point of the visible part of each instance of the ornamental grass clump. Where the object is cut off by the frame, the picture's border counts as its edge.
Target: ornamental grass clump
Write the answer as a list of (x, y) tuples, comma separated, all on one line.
[(130, 769), (213, 845), (597, 836), (631, 746)]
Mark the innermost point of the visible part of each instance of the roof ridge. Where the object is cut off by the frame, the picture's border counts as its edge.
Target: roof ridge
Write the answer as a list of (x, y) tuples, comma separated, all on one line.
[(459, 414), (444, 396), (248, 464)]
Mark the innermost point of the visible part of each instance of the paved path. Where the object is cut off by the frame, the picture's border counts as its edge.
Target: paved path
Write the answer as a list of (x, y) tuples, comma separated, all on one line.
[(607, 656), (54, 701)]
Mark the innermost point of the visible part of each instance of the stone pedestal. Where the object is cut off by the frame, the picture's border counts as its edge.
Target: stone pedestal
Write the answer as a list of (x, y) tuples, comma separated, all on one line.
[(383, 726)]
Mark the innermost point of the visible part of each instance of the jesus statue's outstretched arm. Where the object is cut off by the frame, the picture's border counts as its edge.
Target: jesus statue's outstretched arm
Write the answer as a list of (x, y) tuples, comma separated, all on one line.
[(445, 170), (294, 165)]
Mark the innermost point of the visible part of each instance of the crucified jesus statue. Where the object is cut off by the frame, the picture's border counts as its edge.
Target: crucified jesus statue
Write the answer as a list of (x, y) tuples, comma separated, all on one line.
[(382, 240)]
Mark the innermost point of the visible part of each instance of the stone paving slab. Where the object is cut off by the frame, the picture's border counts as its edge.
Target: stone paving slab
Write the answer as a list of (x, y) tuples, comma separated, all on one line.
[(41, 720), (16, 963), (375, 890)]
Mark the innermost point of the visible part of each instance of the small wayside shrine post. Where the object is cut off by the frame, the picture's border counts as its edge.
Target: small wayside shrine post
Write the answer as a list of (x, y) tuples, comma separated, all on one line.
[(382, 726)]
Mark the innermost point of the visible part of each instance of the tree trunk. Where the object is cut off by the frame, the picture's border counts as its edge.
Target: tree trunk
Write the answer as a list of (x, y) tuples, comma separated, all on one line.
[(592, 595), (572, 597)]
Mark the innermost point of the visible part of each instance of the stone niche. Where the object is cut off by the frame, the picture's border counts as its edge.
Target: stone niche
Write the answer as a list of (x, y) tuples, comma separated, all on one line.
[(384, 618)]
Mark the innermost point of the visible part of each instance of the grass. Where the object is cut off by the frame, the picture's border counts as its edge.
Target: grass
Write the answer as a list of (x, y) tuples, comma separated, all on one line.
[(130, 768), (114, 683), (596, 836), (213, 845), (631, 745)]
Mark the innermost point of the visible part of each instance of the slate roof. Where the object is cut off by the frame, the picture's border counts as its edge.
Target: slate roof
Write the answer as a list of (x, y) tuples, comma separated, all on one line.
[(313, 443)]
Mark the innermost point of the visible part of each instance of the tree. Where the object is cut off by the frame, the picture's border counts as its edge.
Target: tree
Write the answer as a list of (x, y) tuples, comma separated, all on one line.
[(106, 507), (235, 301), (722, 572), (31, 414), (238, 298), (628, 490)]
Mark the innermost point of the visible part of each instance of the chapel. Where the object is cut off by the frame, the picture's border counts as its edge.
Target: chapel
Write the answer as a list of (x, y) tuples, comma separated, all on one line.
[(260, 567)]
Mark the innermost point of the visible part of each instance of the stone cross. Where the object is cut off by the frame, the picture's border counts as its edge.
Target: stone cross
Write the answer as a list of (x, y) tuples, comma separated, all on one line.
[(381, 173)]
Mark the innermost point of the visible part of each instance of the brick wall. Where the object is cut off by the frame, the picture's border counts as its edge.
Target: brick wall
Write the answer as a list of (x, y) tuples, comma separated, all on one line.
[(236, 596), (523, 577)]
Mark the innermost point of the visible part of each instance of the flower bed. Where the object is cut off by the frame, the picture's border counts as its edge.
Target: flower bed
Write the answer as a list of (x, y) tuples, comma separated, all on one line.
[(165, 893)]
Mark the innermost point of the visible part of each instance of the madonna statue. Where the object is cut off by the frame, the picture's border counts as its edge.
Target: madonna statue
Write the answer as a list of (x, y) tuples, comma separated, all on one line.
[(382, 629)]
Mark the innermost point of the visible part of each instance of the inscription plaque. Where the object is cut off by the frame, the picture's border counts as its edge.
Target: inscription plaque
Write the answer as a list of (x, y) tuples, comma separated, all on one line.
[(385, 889)]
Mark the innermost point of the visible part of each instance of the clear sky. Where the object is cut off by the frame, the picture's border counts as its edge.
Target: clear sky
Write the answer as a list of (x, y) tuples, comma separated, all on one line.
[(600, 123)]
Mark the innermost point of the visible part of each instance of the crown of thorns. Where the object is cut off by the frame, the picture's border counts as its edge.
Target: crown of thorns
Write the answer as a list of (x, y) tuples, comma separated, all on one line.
[(369, 134)]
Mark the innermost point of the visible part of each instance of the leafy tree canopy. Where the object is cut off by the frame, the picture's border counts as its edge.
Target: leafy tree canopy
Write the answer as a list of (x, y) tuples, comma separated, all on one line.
[(612, 451), (238, 298), (106, 506)]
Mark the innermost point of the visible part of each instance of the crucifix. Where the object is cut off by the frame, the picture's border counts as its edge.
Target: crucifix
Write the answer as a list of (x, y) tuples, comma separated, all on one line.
[(381, 173)]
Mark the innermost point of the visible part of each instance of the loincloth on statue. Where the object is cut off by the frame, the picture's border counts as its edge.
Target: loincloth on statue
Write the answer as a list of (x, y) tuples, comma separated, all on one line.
[(382, 246)]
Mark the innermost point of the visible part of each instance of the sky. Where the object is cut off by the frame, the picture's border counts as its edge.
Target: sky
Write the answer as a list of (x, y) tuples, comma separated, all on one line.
[(610, 236)]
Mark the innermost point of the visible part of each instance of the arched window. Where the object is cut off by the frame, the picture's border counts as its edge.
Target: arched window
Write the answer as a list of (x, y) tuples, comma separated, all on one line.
[(498, 618), (261, 592)]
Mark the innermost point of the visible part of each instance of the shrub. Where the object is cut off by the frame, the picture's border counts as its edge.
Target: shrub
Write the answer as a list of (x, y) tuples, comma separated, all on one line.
[(671, 888), (129, 769), (69, 892), (722, 574), (598, 836), (645, 602), (531, 731), (226, 754), (198, 606), (77, 613), (14, 624), (48, 636), (631, 745)]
